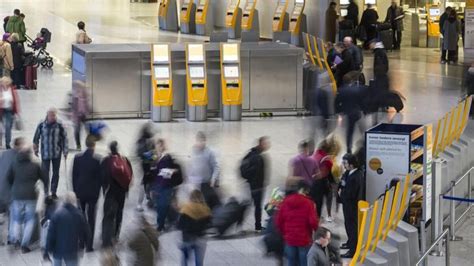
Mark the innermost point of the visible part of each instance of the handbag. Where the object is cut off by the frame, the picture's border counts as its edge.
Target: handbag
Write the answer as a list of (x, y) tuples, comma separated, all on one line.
[(18, 123)]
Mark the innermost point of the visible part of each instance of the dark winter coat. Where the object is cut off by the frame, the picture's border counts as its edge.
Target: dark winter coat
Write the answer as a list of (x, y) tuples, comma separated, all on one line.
[(393, 13), (331, 20), (66, 229), (380, 60), (23, 175), (258, 166), (348, 99), (86, 175), (451, 31), (369, 18), (345, 67), (351, 187), (353, 13), (18, 52), (6, 161)]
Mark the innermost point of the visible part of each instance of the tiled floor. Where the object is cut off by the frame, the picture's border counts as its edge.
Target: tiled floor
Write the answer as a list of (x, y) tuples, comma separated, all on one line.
[(431, 90)]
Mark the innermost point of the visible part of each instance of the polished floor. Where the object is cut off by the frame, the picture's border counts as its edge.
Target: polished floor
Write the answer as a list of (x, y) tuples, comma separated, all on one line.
[(431, 90)]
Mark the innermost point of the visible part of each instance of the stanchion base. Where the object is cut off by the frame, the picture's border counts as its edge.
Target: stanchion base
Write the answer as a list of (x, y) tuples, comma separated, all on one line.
[(437, 253), (455, 238)]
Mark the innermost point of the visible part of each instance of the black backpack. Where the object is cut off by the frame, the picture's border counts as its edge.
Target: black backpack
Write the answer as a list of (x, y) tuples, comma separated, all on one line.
[(177, 178), (247, 166)]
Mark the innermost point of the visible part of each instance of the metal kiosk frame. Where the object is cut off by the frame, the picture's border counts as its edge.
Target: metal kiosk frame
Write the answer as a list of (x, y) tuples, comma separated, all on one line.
[(162, 83), (233, 19), (280, 17), (168, 15), (204, 18), (298, 23), (231, 82), (250, 19), (196, 82), (188, 17)]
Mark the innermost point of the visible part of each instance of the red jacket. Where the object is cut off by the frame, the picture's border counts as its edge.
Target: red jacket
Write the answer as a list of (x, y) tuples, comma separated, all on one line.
[(297, 219)]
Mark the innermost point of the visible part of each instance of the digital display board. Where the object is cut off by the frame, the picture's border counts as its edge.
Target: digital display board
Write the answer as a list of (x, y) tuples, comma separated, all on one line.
[(196, 72), (162, 72)]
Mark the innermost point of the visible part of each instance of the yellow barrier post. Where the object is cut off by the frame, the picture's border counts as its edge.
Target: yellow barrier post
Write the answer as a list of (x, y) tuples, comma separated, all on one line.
[(445, 125), (457, 122), (435, 146), (382, 223), (467, 109), (450, 130), (370, 236), (328, 68), (363, 220), (393, 212), (316, 52), (309, 50)]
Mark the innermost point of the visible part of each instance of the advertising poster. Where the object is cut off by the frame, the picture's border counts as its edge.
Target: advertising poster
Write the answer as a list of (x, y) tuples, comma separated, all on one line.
[(428, 181), (388, 157), (469, 28)]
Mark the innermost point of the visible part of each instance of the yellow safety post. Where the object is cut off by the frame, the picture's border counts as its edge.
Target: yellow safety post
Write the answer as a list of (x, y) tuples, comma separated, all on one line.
[(279, 17), (467, 109), (316, 52), (458, 122), (309, 51), (435, 146), (328, 68), (370, 236), (404, 202), (382, 223), (450, 129), (363, 221), (445, 126), (362, 204), (393, 212)]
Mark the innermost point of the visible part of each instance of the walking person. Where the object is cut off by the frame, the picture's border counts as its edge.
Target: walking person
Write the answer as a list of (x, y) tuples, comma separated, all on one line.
[(296, 220), (395, 17), (51, 138), (22, 177), (317, 255), (345, 65), (381, 66), (6, 57), (86, 183), (67, 229), (9, 107), (195, 217), (331, 22), (144, 244), (80, 110), (167, 176), (303, 165), (18, 53), (146, 154), (350, 192), (451, 31), (353, 13), (253, 169), (116, 177), (81, 35), (204, 170), (369, 23), (16, 24)]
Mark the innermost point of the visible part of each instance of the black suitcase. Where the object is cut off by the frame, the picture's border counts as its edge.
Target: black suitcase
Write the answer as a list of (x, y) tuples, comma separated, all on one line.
[(386, 37), (227, 215), (393, 99), (384, 26)]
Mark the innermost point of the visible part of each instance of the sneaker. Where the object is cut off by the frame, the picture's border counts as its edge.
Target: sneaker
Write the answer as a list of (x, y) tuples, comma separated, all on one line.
[(25, 250), (443, 62), (260, 229), (329, 219)]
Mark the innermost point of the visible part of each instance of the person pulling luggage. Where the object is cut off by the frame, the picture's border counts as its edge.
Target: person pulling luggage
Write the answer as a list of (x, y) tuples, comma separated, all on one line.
[(395, 17)]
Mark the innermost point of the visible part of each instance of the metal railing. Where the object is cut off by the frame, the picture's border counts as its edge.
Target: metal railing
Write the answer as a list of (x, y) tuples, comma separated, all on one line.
[(444, 235)]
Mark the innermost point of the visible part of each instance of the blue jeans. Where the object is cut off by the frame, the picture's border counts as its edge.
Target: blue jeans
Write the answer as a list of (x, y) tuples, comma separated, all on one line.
[(199, 249), (24, 212), (296, 256), (7, 118), (162, 197), (72, 261)]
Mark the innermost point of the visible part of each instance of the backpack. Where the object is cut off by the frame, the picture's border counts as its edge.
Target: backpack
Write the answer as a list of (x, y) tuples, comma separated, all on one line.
[(247, 166), (177, 177), (121, 171)]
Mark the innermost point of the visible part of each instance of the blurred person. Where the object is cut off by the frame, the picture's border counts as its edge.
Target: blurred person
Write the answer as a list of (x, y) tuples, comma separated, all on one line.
[(109, 257), (443, 19), (81, 34), (353, 13), (195, 217), (144, 244), (349, 103), (53, 138), (303, 165), (204, 170), (254, 169), (145, 150), (368, 22), (350, 194), (7, 158), (16, 25), (356, 53), (86, 183), (451, 31), (67, 229), (317, 255), (273, 240), (167, 175), (297, 220), (22, 177), (331, 21), (395, 17), (6, 61), (18, 53), (9, 107), (325, 185), (51, 204), (117, 175), (345, 65), (80, 110)]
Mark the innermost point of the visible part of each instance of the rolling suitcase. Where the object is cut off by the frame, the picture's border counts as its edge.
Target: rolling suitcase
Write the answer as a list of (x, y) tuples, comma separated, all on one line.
[(386, 37), (30, 77), (227, 215)]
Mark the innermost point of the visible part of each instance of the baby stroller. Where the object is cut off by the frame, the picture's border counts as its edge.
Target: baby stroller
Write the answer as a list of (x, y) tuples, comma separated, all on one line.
[(39, 56)]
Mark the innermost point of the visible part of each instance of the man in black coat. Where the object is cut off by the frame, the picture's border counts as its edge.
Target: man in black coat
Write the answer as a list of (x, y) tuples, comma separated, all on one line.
[(443, 18), (381, 66), (86, 182), (395, 17), (345, 66), (368, 22), (350, 194), (255, 174), (353, 13)]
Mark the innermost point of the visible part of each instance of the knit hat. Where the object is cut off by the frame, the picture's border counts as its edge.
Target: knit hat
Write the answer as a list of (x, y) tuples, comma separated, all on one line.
[(5, 36)]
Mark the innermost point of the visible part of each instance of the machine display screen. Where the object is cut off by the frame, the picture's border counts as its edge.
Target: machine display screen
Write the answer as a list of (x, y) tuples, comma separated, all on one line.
[(186, 2), (196, 72), (230, 52), (297, 10), (231, 72), (162, 72), (160, 53), (202, 2), (299, 1), (195, 53), (344, 2), (370, 2), (279, 9), (434, 12)]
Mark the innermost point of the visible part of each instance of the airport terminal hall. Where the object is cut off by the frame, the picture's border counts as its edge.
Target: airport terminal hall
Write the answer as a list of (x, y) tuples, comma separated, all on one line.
[(236, 132)]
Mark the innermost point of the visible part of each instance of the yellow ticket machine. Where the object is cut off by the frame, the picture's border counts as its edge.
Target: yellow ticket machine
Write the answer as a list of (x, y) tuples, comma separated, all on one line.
[(168, 15), (233, 19), (204, 18), (298, 23), (231, 82), (196, 82), (432, 24), (187, 17), (250, 21), (162, 83), (280, 17)]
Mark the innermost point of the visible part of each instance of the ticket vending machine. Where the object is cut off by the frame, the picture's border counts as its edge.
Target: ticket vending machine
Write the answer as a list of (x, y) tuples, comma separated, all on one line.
[(298, 23), (162, 83), (250, 21), (188, 17), (280, 17), (204, 18), (167, 15), (231, 82), (196, 82), (233, 19), (432, 24)]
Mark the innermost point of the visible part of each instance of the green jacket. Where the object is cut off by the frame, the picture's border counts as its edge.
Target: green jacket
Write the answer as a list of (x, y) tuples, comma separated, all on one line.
[(17, 25)]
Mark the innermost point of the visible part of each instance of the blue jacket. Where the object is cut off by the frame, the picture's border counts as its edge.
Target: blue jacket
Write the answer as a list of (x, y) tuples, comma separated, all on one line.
[(86, 176), (66, 229), (53, 139)]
